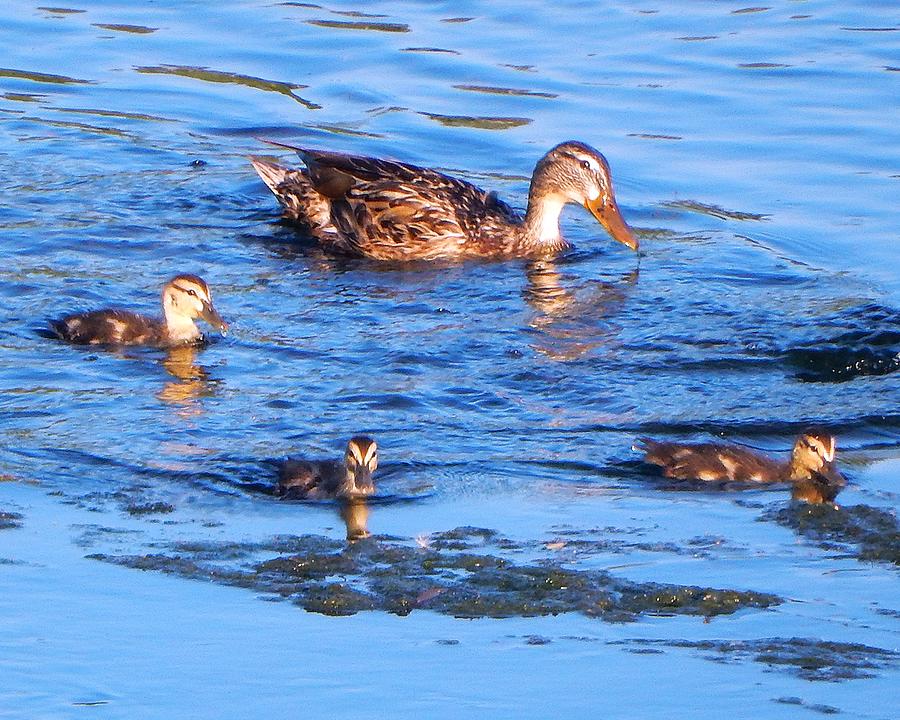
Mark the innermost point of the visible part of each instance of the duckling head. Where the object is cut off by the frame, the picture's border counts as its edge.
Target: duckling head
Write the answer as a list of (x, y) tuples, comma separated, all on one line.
[(360, 461), (813, 456), (187, 297), (576, 172)]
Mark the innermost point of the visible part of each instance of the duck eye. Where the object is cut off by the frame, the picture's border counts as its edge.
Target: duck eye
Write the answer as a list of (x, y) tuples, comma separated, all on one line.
[(585, 164), (192, 293)]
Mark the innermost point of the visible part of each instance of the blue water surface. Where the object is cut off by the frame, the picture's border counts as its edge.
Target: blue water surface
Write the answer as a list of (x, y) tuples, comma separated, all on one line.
[(754, 149)]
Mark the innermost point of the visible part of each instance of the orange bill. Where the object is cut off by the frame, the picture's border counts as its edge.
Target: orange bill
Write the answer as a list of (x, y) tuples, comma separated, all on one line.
[(604, 208)]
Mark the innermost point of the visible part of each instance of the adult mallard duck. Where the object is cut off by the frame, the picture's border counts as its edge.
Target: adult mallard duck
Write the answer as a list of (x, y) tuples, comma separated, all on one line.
[(811, 469), (184, 299), (389, 210), (302, 479)]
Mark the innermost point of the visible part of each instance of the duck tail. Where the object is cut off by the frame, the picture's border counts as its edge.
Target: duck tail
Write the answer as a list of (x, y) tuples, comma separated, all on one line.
[(643, 444), (272, 174)]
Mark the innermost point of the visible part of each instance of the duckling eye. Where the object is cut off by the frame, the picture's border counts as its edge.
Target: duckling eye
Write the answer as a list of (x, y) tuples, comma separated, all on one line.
[(192, 293)]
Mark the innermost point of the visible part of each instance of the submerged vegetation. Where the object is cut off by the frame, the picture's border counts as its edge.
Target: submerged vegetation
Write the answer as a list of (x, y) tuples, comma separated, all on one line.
[(444, 575), (9, 520), (866, 532), (807, 658)]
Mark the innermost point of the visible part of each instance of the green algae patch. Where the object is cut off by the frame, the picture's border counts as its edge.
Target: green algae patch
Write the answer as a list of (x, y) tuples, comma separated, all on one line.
[(807, 658), (460, 572), (217, 76), (714, 210), (867, 533), (497, 90), (23, 97), (41, 77), (9, 520), (361, 25), (60, 10), (478, 123), (133, 29), (153, 508)]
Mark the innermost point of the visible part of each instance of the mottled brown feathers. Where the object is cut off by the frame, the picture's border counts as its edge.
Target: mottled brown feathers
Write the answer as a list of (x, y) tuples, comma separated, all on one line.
[(109, 327), (388, 210), (810, 469), (710, 462)]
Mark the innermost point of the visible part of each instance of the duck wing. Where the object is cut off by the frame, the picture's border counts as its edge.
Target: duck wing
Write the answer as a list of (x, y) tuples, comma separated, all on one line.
[(298, 478), (395, 211)]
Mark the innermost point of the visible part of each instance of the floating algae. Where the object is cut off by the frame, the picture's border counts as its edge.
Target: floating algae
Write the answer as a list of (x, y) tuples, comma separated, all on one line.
[(807, 658), (453, 573), (9, 520), (874, 532)]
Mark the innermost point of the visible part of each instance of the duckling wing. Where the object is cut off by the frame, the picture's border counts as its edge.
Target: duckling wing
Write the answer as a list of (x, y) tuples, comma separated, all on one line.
[(708, 462), (107, 327), (395, 211), (298, 478)]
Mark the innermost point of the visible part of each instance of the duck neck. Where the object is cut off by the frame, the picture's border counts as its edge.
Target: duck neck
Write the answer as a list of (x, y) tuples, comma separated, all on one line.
[(540, 229), (180, 329), (796, 470)]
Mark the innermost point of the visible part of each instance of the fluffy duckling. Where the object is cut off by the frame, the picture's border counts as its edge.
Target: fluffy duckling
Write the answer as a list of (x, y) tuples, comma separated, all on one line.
[(184, 299), (811, 469), (387, 210), (325, 479)]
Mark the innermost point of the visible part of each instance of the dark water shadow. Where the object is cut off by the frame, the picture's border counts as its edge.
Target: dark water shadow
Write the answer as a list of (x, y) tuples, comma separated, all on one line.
[(866, 343)]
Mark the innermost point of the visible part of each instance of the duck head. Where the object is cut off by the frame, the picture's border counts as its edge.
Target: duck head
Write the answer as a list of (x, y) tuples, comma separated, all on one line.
[(813, 456), (576, 172), (186, 298), (360, 462)]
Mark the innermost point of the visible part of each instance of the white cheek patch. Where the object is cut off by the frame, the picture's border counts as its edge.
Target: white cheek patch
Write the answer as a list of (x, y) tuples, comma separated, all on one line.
[(826, 449)]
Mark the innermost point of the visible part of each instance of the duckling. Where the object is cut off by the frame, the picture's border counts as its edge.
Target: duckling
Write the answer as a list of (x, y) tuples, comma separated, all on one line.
[(811, 468), (326, 479), (387, 210), (184, 298)]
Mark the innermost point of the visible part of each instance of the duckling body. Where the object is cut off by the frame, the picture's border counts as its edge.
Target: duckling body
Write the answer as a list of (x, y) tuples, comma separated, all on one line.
[(387, 210), (184, 299), (811, 469), (302, 479)]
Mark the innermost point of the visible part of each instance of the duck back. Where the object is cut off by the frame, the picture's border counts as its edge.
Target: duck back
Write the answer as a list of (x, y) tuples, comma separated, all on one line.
[(710, 462), (109, 327)]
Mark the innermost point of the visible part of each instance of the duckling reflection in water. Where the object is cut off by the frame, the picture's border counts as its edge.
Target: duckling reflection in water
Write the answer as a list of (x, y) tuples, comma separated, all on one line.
[(355, 514), (301, 479), (184, 299), (190, 381), (811, 468)]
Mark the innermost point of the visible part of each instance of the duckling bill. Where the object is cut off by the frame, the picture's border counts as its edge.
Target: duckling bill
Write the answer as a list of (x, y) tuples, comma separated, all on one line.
[(185, 298), (811, 468), (350, 478), (387, 210)]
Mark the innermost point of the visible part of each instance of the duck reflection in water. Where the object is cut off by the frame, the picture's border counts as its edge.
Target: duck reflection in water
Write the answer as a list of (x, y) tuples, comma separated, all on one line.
[(355, 514), (190, 382), (570, 327)]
